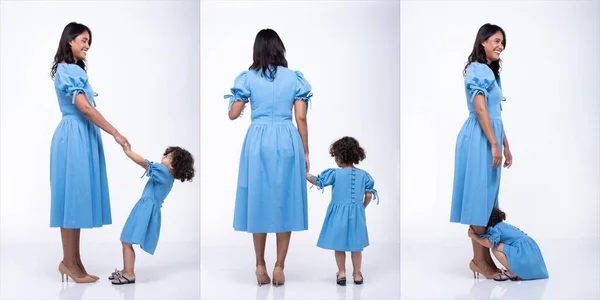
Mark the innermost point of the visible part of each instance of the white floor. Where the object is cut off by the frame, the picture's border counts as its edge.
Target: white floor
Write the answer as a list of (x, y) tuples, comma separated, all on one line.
[(31, 272), (228, 273), (431, 271)]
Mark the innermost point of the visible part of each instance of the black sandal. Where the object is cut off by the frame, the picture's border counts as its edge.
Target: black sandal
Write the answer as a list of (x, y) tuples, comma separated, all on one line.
[(511, 278), (340, 281), (122, 282), (499, 277), (359, 281)]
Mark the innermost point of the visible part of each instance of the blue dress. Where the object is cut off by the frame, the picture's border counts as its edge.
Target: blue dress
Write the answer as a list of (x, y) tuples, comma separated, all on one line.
[(345, 225), (271, 189), (143, 224), (522, 252), (78, 181), (476, 183)]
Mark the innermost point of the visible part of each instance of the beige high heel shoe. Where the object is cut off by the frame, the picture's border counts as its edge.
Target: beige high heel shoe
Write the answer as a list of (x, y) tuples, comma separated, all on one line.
[(278, 276), (261, 275), (477, 270), (62, 268)]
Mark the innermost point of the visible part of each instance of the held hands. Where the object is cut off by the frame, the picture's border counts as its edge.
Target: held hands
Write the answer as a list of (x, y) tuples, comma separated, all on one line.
[(121, 140)]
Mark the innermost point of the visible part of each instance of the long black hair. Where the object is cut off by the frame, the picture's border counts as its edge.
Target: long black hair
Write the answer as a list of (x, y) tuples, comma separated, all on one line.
[(269, 53), (478, 53), (64, 52)]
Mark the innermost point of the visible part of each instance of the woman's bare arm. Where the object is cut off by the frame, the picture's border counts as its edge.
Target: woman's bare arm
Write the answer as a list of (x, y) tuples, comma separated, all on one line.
[(92, 114), (484, 119), (300, 114), (236, 109)]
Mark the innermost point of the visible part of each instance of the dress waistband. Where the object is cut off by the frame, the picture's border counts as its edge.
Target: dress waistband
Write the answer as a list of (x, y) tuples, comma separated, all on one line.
[(273, 122), (492, 116)]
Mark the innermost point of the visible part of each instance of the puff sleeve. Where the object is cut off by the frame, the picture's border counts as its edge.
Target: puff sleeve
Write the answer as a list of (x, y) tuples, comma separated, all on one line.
[(492, 234), (157, 172), (240, 90), (303, 89), (72, 83), (370, 187), (478, 80), (326, 178)]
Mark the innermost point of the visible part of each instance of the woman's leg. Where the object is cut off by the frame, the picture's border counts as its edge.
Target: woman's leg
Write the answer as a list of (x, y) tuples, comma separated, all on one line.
[(340, 260), (501, 257), (356, 265), (78, 254), (481, 253), (260, 240), (69, 238), (128, 263), (283, 243)]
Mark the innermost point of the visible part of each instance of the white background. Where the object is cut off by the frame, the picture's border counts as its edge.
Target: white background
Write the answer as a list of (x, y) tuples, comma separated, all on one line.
[(349, 53), (144, 64), (551, 116)]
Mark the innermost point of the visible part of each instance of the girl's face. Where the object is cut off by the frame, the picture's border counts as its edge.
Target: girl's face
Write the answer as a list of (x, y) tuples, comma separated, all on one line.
[(493, 47), (167, 160), (80, 45)]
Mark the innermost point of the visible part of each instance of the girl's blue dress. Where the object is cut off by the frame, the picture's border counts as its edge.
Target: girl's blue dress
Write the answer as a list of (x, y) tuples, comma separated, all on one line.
[(143, 224), (522, 252), (78, 182), (476, 183), (271, 188), (345, 225)]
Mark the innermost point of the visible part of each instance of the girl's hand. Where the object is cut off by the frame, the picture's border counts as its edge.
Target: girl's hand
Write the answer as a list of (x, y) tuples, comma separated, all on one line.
[(496, 156), (471, 232), (507, 157)]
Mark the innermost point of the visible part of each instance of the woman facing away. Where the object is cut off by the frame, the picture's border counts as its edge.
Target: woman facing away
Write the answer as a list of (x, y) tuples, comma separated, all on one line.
[(78, 180), (480, 142), (271, 190)]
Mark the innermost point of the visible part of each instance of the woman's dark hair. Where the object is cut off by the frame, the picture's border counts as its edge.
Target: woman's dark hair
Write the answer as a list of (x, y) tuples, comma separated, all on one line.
[(478, 53), (347, 151), (269, 53), (64, 52), (496, 217), (182, 163)]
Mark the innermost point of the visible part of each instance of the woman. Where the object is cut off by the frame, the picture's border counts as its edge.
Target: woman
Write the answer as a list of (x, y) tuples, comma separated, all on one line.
[(271, 191), (480, 143), (78, 179)]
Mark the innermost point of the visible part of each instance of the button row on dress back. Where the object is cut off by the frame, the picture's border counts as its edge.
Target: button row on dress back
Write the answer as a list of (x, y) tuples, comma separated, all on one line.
[(353, 178)]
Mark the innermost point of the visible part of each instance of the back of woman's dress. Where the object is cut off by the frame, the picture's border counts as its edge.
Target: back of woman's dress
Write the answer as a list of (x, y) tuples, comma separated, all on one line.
[(271, 190), (78, 181)]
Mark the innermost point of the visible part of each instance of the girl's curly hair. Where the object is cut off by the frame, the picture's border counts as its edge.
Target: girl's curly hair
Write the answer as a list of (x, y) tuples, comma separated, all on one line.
[(347, 151), (496, 217), (182, 163)]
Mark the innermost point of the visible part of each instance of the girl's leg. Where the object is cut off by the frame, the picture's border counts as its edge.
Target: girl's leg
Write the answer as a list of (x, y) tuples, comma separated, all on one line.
[(78, 254), (128, 263), (501, 257), (481, 254), (356, 265), (340, 260), (69, 237)]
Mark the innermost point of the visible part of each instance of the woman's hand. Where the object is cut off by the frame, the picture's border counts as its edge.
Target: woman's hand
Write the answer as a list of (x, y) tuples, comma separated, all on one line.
[(508, 159), (307, 163), (121, 140), (496, 156)]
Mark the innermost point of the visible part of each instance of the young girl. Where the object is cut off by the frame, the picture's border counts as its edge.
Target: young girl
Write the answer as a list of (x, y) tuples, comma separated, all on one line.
[(513, 248), (143, 225), (345, 228)]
